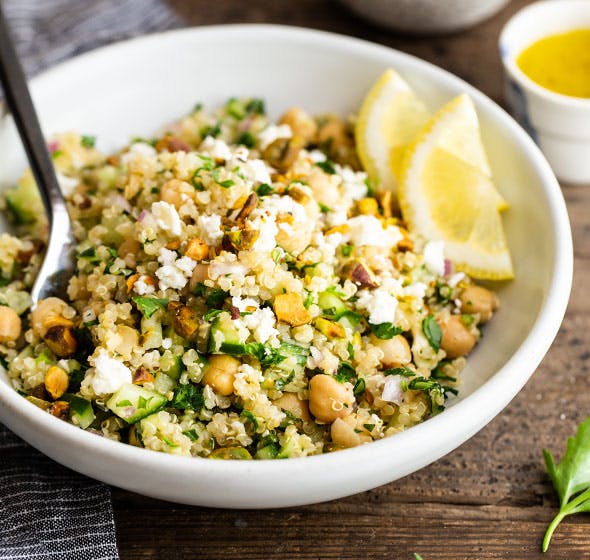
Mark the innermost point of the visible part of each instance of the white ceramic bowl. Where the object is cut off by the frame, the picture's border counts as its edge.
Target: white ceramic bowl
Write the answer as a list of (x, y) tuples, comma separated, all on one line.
[(133, 88), (426, 16), (560, 124)]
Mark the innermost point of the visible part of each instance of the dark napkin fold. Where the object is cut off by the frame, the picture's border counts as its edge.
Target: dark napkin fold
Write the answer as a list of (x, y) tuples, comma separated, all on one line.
[(47, 511)]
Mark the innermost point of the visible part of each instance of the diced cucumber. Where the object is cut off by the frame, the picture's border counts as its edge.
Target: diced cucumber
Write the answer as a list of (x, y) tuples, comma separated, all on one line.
[(295, 355), (175, 367), (81, 411), (44, 358), (133, 402), (331, 304), (231, 453), (269, 451), (224, 337), (24, 201), (151, 331)]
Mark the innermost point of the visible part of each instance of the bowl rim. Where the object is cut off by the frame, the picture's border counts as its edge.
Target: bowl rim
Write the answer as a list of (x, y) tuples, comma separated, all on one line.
[(529, 13), (438, 432)]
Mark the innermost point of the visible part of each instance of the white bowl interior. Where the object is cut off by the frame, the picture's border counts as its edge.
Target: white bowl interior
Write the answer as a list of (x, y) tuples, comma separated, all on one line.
[(137, 87)]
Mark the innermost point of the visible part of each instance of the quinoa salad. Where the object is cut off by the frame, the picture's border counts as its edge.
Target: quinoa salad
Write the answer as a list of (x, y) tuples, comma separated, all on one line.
[(242, 291)]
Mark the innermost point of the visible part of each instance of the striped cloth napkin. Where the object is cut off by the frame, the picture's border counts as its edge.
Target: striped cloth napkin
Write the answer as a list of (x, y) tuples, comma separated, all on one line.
[(47, 511)]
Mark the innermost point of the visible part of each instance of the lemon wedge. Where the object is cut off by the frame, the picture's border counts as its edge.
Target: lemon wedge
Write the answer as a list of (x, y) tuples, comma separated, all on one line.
[(446, 192), (390, 117)]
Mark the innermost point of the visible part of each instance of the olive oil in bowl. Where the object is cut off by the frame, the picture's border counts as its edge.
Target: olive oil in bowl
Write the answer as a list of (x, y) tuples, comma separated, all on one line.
[(560, 63)]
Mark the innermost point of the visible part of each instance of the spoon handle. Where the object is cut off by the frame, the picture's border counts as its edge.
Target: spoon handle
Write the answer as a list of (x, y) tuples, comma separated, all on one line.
[(23, 112)]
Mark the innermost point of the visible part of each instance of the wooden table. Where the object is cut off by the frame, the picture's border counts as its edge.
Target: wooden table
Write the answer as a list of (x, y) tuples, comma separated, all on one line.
[(488, 499)]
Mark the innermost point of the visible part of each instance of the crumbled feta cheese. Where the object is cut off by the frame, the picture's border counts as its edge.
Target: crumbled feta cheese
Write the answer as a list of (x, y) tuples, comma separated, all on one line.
[(316, 156), (167, 217), (166, 256), (353, 182), (138, 150), (186, 265), (256, 170), (141, 287), (174, 273), (109, 374), (66, 184), (210, 227), (217, 269), (166, 343), (273, 132), (392, 390), (245, 304), (379, 303), (434, 257), (171, 277), (261, 322), (456, 278), (367, 230), (216, 148), (416, 290), (276, 204), (241, 153), (267, 232)]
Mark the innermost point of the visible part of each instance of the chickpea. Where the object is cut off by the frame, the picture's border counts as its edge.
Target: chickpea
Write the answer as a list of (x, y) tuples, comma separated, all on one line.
[(124, 341), (129, 246), (301, 123), (475, 299), (456, 339), (10, 325), (333, 131), (329, 399), (176, 192), (56, 381), (295, 239), (200, 274), (343, 433), (220, 373), (396, 350), (46, 310), (324, 189), (293, 404)]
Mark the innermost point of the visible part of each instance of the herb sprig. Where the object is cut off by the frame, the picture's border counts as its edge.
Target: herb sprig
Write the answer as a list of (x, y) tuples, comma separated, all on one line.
[(571, 478)]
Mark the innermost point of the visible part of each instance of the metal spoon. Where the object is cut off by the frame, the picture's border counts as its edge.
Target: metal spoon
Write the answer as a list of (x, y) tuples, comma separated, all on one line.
[(58, 263)]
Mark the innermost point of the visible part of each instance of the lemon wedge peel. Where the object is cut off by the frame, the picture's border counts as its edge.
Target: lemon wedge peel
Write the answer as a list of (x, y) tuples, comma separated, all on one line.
[(444, 195), (390, 117)]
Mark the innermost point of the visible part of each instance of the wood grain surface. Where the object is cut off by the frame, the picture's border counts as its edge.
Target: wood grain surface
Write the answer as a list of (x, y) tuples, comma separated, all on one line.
[(488, 499)]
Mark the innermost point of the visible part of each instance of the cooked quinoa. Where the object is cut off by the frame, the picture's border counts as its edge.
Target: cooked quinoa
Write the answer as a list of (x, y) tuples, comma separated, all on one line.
[(242, 290)]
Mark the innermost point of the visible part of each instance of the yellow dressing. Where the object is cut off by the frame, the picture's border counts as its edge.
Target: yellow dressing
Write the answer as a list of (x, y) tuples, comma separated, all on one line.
[(560, 63)]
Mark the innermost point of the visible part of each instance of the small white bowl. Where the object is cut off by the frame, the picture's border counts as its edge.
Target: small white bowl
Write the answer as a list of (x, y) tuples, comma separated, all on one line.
[(426, 16), (135, 87), (560, 124)]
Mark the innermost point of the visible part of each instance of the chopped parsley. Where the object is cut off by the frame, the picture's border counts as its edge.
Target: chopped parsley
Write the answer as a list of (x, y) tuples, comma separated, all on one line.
[(323, 208), (264, 189), (347, 250), (212, 314), (149, 305), (225, 184), (255, 107), (327, 166), (403, 371), (191, 434), (345, 372), (213, 131), (188, 397), (359, 387), (432, 332), (385, 331), (251, 418), (215, 298), (88, 141), (246, 139)]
